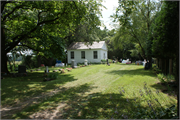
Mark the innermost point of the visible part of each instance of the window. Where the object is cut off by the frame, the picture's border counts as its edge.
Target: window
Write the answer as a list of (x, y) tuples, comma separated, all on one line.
[(95, 54), (104, 56), (82, 54), (72, 55)]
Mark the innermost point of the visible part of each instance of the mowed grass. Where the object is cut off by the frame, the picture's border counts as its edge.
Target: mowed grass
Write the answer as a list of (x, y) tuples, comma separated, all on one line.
[(91, 92)]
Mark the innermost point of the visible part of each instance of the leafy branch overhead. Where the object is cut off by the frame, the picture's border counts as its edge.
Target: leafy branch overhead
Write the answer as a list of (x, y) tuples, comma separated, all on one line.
[(43, 25)]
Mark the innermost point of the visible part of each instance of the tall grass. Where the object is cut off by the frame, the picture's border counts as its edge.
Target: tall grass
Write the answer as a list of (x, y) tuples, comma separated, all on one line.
[(154, 109)]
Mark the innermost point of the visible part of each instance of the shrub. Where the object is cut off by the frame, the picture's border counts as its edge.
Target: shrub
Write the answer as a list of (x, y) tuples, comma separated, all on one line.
[(53, 75), (161, 77), (164, 78), (103, 60), (29, 61), (170, 77)]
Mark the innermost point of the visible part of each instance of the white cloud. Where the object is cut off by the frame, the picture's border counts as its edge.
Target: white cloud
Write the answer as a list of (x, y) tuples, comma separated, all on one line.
[(111, 6)]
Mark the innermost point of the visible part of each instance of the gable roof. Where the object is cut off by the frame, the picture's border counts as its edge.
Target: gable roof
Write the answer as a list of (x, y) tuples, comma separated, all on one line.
[(82, 45)]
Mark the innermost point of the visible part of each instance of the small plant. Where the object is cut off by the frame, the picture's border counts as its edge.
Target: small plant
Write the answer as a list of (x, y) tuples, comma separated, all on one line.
[(161, 77), (53, 75), (170, 77), (103, 60)]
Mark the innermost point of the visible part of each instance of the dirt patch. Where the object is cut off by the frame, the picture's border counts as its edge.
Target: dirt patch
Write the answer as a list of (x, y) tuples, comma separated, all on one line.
[(49, 114)]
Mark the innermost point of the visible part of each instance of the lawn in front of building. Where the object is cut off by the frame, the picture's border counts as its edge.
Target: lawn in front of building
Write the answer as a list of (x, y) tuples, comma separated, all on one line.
[(92, 92)]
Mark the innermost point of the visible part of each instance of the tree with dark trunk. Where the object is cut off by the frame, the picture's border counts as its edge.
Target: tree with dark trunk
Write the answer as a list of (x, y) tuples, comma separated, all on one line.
[(43, 25)]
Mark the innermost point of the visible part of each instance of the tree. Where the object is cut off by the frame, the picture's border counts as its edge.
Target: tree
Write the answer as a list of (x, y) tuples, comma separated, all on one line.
[(135, 23), (42, 25), (165, 36)]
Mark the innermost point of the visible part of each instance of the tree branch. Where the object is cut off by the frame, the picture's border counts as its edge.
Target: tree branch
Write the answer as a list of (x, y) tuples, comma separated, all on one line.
[(28, 47), (39, 13), (21, 37), (143, 13), (7, 15), (76, 7), (3, 4), (138, 43)]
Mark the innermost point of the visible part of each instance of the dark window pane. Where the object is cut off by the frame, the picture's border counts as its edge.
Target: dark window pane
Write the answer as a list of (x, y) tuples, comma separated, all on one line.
[(95, 55), (72, 55), (82, 54)]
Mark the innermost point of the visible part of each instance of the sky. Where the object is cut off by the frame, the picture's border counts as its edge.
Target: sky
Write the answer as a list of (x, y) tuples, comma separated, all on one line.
[(111, 6)]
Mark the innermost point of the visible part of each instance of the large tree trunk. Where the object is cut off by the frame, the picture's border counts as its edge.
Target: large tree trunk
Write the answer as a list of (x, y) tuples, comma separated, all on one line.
[(4, 62), (39, 61), (157, 62), (160, 64), (177, 79), (167, 66), (50, 63), (150, 61), (177, 61), (170, 66), (4, 58)]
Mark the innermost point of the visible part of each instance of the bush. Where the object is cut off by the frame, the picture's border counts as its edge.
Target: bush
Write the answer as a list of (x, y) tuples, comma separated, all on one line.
[(161, 77), (170, 77), (29, 61), (53, 75), (103, 60)]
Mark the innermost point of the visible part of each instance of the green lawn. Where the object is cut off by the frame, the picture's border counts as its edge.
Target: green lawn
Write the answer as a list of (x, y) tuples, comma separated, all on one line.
[(91, 92)]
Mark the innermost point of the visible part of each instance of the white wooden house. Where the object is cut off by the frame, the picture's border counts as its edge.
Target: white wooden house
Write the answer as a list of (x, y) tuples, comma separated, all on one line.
[(80, 52)]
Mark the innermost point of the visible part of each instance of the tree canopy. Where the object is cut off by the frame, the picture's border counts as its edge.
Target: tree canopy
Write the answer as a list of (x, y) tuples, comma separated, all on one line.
[(43, 26), (135, 21)]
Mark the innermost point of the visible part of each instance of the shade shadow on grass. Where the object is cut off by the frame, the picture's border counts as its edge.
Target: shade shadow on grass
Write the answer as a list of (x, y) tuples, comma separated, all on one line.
[(92, 106), (20, 88), (171, 91), (138, 71), (101, 106), (73, 94)]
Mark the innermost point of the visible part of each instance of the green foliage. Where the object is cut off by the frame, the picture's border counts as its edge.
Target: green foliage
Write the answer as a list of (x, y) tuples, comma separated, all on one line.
[(161, 77), (29, 61), (43, 26), (53, 75), (170, 77), (165, 78), (170, 113), (155, 109), (103, 60), (165, 32), (135, 25)]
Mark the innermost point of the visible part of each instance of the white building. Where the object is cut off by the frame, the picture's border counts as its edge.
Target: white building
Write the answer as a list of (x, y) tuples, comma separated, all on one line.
[(94, 53)]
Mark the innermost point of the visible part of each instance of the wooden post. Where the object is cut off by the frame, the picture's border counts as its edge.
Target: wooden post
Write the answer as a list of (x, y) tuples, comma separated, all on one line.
[(160, 64), (170, 66), (165, 66), (167, 70)]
